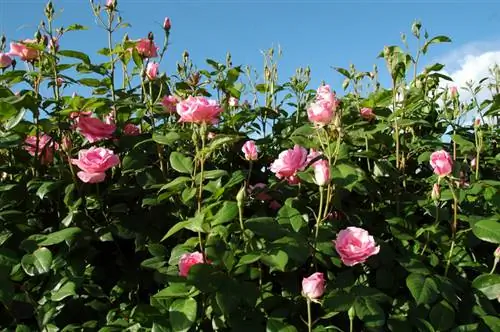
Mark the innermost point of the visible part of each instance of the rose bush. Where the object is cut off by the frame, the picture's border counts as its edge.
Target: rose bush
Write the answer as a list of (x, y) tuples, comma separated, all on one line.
[(169, 202)]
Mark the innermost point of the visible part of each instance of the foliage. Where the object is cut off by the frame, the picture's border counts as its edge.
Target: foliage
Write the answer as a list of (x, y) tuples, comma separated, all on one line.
[(79, 256)]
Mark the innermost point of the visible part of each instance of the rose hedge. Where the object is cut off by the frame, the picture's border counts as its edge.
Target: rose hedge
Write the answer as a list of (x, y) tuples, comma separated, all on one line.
[(168, 203)]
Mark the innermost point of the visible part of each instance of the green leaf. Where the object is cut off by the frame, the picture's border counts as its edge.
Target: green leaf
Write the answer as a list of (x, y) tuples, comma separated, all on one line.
[(182, 314), (210, 175), (435, 40), (487, 230), (442, 316), (60, 236), (227, 213), (289, 215), (276, 260), (176, 183), (174, 290), (168, 139), (38, 262), (248, 259), (46, 188), (181, 163), (276, 325), (488, 284), (369, 312), (7, 111), (75, 54), (14, 121), (423, 289), (62, 292), (75, 27), (492, 322)]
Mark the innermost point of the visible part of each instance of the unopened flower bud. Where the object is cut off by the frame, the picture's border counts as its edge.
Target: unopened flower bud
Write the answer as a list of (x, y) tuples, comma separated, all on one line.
[(151, 36), (436, 194), (240, 197), (167, 24)]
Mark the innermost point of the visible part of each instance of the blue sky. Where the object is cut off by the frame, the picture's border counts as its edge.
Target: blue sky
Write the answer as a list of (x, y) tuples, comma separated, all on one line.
[(316, 33)]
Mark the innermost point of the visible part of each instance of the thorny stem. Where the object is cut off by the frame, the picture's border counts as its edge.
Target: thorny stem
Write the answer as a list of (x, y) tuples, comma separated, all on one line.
[(453, 229)]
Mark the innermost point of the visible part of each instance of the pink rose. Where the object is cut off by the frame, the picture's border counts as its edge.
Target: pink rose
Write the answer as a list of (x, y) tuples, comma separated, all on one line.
[(198, 110), (321, 172), (250, 150), (167, 24), (496, 253), (355, 245), (313, 154), (169, 103), (94, 163), (289, 162), (189, 259), (320, 112), (110, 4), (131, 130), (152, 70), (146, 48), (441, 163), (23, 51), (367, 113), (473, 163), (46, 147), (477, 122), (59, 81), (233, 102), (259, 190), (5, 60), (324, 93), (274, 205), (453, 92), (94, 129), (313, 287)]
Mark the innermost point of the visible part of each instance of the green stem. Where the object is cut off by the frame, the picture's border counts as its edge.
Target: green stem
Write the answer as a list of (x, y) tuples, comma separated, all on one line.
[(309, 320), (453, 229), (495, 262)]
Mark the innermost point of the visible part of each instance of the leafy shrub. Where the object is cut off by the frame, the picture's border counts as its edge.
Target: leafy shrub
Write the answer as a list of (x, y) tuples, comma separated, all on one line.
[(168, 203)]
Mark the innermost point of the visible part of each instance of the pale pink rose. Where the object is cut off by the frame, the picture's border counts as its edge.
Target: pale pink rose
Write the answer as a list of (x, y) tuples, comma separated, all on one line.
[(441, 163), (94, 130), (289, 162), (453, 92), (131, 130), (436, 192), (152, 70), (211, 135), (321, 172), (313, 154), (198, 110), (250, 150), (496, 253), (146, 48), (274, 205), (169, 103), (110, 3), (473, 163), (313, 287), (354, 245), (5, 60), (367, 113), (94, 163), (324, 93), (189, 259), (46, 147), (167, 24), (259, 191), (23, 51), (233, 102), (320, 112)]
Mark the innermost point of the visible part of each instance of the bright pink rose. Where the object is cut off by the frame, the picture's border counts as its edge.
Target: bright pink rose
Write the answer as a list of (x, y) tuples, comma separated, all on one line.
[(233, 102), (167, 24), (259, 190), (321, 172), (320, 112), (46, 147), (355, 245), (94, 129), (189, 259), (169, 103), (250, 150), (367, 113), (146, 48), (441, 163), (274, 205), (152, 70), (5, 60), (94, 163), (23, 51), (198, 110), (289, 162), (131, 130), (313, 287)]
